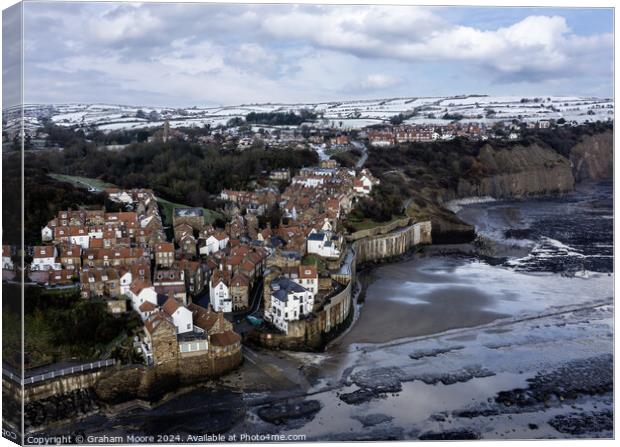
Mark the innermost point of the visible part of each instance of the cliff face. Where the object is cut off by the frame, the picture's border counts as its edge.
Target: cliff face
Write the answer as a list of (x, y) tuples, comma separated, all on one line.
[(519, 172), (534, 170), (592, 158)]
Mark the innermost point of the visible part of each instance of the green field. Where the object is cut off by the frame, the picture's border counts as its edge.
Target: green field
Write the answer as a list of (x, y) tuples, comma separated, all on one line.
[(166, 205), (315, 260), (367, 223), (82, 182)]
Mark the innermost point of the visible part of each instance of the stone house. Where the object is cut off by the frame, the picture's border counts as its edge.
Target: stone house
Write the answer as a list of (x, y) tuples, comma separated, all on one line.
[(100, 282), (187, 243), (71, 257), (196, 274), (239, 291), (194, 217), (170, 281), (63, 277), (159, 345), (164, 254)]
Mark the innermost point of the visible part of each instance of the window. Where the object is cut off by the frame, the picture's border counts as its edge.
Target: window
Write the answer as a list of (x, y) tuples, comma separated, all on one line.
[(189, 326)]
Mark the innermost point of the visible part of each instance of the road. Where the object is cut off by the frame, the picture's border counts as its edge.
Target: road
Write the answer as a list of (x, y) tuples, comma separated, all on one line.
[(361, 146)]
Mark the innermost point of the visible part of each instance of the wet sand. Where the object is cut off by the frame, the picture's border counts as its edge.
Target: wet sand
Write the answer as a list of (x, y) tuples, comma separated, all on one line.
[(395, 308)]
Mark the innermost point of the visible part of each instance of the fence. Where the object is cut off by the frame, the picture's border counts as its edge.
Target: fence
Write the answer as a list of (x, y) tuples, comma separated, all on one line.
[(59, 372)]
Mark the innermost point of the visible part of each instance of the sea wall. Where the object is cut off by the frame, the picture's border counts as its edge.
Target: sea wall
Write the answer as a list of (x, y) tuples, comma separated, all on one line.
[(396, 243), (380, 229), (79, 394), (151, 383), (375, 245), (314, 332), (54, 387)]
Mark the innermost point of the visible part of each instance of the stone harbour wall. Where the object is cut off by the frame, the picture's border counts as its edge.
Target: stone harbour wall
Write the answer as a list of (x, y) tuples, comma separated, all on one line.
[(54, 387), (395, 243), (336, 315), (313, 333), (150, 383)]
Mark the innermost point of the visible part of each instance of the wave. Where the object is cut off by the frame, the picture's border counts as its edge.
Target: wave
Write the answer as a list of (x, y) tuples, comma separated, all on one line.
[(456, 205)]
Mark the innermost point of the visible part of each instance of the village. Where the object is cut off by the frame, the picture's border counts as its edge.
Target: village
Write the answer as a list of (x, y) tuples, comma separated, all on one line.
[(332, 137), (198, 290)]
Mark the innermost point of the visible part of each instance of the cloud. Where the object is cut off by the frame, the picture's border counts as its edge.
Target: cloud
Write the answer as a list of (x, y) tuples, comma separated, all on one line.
[(374, 82), (124, 22), (541, 44), (234, 53)]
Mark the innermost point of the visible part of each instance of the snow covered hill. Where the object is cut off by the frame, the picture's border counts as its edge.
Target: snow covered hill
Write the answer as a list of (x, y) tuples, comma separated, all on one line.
[(352, 114)]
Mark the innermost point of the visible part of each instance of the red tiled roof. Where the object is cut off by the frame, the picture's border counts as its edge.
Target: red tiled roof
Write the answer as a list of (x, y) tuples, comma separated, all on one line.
[(225, 338), (147, 306), (43, 251), (164, 247), (137, 285), (240, 280), (170, 306), (220, 275), (307, 271)]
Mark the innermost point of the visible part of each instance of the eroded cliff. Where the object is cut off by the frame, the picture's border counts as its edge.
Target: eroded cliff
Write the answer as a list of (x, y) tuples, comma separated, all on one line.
[(522, 171), (519, 172), (541, 164), (592, 158)]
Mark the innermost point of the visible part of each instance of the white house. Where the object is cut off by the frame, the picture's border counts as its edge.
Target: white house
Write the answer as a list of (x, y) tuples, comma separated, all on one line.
[(323, 243), (222, 239), (364, 183), (44, 258), (147, 309), (289, 302), (181, 315), (79, 236), (308, 182), (209, 245), (121, 196), (219, 291), (95, 232), (140, 292), (125, 281), (290, 210), (327, 225), (308, 278), (7, 262), (544, 124), (47, 234)]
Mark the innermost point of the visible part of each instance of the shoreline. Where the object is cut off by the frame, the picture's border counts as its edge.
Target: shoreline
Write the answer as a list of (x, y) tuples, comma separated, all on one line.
[(460, 250)]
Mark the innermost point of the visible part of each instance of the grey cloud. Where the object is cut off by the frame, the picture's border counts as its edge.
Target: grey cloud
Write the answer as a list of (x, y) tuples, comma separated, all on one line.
[(283, 50)]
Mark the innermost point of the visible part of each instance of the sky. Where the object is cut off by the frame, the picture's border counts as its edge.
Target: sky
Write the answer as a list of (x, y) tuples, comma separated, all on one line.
[(215, 54)]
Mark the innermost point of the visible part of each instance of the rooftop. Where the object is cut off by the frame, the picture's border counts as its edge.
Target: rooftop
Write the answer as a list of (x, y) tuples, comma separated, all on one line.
[(188, 212), (281, 287)]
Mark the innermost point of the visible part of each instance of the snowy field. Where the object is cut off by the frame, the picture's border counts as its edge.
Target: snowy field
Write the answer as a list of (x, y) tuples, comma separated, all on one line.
[(353, 114)]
